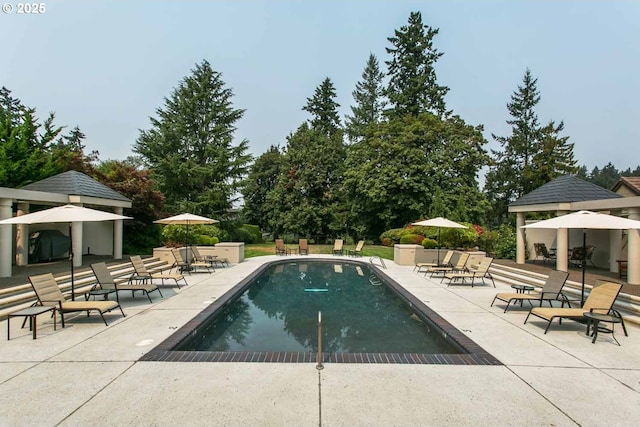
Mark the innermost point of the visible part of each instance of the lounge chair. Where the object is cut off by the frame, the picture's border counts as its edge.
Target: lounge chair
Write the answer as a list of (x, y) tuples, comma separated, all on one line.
[(446, 262), (459, 266), (600, 300), (337, 247), (303, 247), (183, 265), (211, 259), (551, 291), (543, 253), (140, 273), (107, 284), (358, 249), (481, 271), (49, 294), (280, 248)]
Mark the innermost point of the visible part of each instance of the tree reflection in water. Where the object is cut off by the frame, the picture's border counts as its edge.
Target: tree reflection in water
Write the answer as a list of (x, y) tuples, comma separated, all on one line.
[(279, 312)]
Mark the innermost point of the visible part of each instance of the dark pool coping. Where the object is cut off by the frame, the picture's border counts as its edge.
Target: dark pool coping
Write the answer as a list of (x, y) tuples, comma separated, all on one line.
[(472, 354)]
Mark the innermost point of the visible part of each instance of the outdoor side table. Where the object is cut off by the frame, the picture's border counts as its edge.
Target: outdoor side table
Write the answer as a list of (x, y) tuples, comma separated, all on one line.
[(521, 289), (31, 313), (594, 320), (291, 251)]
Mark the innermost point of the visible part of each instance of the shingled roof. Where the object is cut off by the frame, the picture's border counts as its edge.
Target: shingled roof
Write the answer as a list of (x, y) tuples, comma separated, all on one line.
[(565, 189), (77, 184), (632, 183)]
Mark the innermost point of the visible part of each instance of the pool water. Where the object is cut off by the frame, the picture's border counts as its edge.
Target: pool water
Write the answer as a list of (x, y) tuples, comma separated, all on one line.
[(278, 312)]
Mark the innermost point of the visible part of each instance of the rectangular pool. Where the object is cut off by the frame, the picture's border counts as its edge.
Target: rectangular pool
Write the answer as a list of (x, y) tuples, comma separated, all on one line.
[(366, 317)]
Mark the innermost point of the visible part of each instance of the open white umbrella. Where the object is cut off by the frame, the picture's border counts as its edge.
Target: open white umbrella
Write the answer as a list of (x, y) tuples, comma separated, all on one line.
[(186, 219), (439, 222), (586, 220), (68, 214)]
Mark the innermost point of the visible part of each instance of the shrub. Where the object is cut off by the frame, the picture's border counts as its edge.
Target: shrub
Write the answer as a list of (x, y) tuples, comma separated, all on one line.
[(459, 237), (394, 234), (505, 243), (415, 239), (387, 241), (428, 243), (208, 241)]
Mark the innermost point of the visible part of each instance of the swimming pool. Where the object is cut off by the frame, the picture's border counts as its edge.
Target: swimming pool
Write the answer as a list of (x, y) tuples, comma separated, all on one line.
[(272, 316)]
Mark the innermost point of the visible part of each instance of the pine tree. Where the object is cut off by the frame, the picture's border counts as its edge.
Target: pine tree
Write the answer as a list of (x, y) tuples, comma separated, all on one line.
[(189, 147), (324, 108), (555, 156), (31, 151), (413, 86), (531, 156), (306, 198), (369, 101)]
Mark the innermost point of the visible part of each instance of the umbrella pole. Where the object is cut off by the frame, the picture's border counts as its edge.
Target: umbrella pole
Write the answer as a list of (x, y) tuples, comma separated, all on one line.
[(438, 245), (73, 292), (584, 263)]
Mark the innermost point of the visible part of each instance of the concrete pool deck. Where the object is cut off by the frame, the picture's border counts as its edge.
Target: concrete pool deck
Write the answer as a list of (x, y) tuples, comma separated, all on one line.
[(89, 374)]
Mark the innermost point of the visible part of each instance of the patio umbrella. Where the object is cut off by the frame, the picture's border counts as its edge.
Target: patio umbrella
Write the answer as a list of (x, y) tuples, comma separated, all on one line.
[(586, 220), (440, 223), (186, 219), (68, 214)]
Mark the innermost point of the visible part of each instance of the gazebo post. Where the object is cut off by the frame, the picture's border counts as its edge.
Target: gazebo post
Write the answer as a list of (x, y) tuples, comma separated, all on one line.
[(633, 251), (520, 233)]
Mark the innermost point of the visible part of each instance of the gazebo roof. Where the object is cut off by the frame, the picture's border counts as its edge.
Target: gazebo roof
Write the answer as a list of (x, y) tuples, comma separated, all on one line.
[(77, 184), (565, 189), (632, 183)]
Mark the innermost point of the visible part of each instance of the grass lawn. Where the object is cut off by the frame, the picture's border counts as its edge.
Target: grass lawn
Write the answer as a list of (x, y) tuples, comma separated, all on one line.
[(261, 249)]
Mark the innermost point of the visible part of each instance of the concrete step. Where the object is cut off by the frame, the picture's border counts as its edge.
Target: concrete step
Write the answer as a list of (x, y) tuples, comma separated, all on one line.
[(22, 296)]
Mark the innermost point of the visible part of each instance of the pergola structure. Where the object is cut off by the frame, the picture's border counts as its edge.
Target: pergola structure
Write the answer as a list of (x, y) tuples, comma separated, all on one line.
[(69, 187), (568, 194)]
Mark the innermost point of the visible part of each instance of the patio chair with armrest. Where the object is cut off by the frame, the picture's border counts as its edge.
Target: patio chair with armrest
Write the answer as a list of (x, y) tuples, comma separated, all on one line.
[(358, 249), (337, 247), (211, 259), (459, 266), (446, 262), (600, 300), (107, 284), (551, 291), (303, 247), (49, 294), (543, 252), (580, 255), (280, 247), (479, 272), (140, 273), (189, 265)]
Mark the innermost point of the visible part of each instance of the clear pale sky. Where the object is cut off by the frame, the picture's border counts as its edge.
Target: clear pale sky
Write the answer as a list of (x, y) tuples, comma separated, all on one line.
[(106, 66)]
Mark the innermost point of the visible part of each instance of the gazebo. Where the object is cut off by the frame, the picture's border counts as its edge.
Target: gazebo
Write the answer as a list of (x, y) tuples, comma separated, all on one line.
[(70, 187), (568, 194)]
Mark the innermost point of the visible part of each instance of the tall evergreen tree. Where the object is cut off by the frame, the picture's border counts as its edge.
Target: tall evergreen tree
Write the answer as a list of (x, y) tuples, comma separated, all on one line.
[(189, 147), (31, 151), (306, 198), (368, 97), (413, 86), (324, 108), (531, 156), (554, 157)]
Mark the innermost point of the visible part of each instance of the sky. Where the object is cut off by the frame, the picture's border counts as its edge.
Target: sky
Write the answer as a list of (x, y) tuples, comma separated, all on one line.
[(107, 66)]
